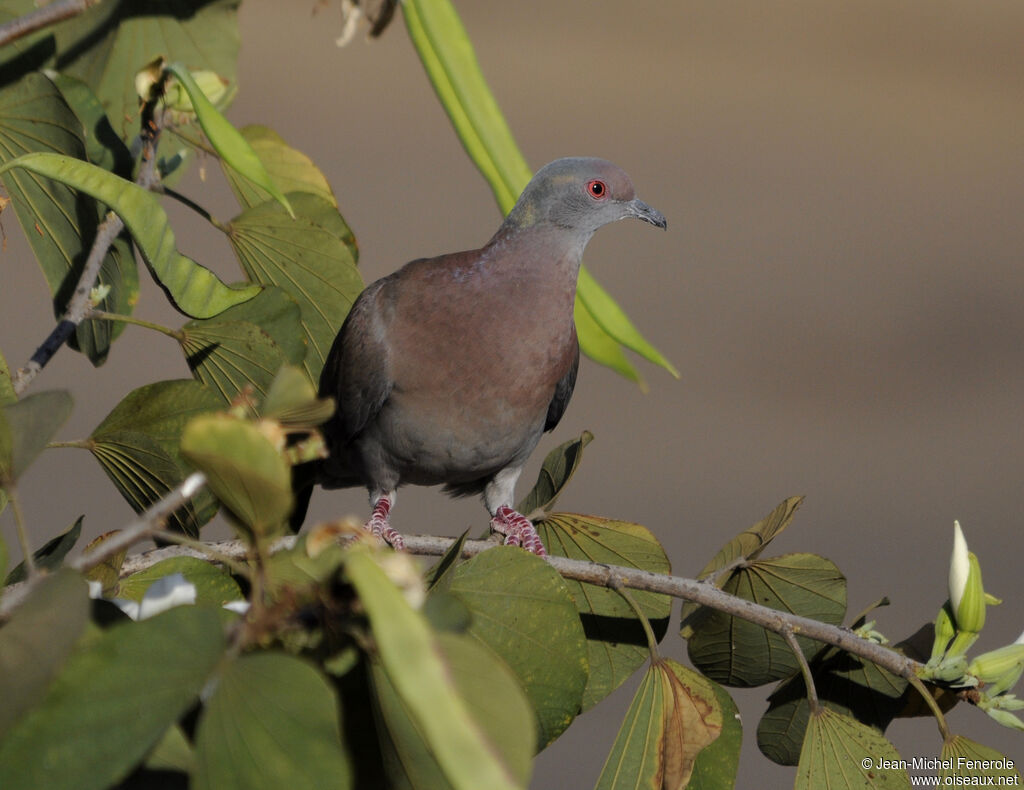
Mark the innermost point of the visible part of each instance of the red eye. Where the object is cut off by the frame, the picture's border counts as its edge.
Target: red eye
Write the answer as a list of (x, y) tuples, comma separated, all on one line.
[(597, 189)]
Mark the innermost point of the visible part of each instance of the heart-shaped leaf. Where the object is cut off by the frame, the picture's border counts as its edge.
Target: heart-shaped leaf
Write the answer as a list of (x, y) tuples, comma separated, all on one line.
[(841, 752), (312, 257), (138, 447), (246, 344), (559, 466), (616, 639), (129, 683), (983, 762), (523, 611), (747, 545), (736, 652), (26, 426), (245, 471), (271, 723)]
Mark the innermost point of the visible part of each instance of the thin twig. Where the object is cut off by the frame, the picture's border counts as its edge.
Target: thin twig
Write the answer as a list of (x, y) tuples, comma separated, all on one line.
[(42, 17), (805, 669), (22, 530)]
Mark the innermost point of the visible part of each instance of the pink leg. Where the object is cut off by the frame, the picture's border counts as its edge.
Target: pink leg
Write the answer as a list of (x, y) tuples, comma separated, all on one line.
[(379, 525), (518, 530)]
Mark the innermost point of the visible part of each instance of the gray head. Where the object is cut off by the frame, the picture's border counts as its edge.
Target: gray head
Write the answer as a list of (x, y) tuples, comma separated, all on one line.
[(579, 194)]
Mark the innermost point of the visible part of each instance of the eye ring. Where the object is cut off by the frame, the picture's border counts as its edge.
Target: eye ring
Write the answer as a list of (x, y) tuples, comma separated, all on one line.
[(597, 189)]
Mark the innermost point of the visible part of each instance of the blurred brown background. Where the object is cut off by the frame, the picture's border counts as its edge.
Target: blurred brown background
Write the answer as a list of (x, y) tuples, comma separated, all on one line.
[(841, 284)]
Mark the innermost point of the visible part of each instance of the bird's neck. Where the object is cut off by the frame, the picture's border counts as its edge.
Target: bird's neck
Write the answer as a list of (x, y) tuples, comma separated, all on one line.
[(548, 250)]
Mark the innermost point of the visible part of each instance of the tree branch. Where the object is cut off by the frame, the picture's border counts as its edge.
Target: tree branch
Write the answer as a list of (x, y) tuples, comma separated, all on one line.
[(612, 576), (79, 305), (42, 17)]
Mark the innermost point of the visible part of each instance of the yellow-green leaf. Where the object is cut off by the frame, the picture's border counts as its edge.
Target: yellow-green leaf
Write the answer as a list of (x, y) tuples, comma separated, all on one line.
[(841, 752)]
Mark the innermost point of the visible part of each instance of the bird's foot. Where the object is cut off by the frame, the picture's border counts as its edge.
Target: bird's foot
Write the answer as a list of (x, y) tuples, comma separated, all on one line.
[(518, 530), (379, 525)]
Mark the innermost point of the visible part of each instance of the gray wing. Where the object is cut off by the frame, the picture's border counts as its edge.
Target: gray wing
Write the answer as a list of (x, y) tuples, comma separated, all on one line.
[(563, 390), (356, 373)]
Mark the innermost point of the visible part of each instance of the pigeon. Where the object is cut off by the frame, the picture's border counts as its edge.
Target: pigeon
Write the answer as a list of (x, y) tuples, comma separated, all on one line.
[(448, 371)]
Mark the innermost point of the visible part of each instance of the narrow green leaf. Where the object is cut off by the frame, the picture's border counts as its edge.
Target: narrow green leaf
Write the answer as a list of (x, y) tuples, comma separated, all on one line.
[(494, 698), (738, 653), (312, 257), (194, 289), (450, 62), (37, 640), (523, 611), (226, 140), (410, 655), (559, 466), (841, 752), (245, 471), (747, 545), (26, 426), (616, 639), (289, 168), (6, 385), (214, 586), (600, 346), (615, 322), (137, 446), (117, 693), (272, 723), (51, 555)]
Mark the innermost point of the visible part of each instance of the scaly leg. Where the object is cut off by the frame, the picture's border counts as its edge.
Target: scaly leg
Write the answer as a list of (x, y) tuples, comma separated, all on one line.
[(518, 530), (379, 524)]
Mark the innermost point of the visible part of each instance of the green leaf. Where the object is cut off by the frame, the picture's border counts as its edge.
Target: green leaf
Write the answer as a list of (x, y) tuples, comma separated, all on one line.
[(312, 257), (673, 717), (747, 545), (194, 289), (718, 763), (37, 640), (559, 466), (6, 385), (137, 446), (117, 693), (271, 723), (736, 652), (959, 748), (616, 640), (523, 611), (845, 684), (26, 426), (103, 147), (615, 322), (841, 752), (245, 471), (226, 140), (59, 224), (289, 168), (51, 555), (111, 42), (450, 62), (245, 345), (214, 586), (601, 347), (494, 698), (410, 655), (108, 572)]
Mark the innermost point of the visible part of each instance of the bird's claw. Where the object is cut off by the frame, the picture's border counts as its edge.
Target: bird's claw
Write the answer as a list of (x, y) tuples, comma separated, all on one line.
[(518, 530), (379, 525)]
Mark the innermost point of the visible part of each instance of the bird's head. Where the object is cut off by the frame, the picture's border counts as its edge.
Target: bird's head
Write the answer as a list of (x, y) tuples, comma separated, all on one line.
[(580, 194)]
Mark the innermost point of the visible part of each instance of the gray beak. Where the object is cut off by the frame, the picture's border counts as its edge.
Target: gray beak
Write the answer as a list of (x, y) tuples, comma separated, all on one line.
[(637, 208)]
